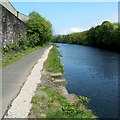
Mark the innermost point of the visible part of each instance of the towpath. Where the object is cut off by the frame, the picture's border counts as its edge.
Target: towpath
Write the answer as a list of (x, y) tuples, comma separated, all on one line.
[(15, 74)]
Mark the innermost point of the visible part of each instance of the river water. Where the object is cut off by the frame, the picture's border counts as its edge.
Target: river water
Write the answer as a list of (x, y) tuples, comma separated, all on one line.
[(93, 73)]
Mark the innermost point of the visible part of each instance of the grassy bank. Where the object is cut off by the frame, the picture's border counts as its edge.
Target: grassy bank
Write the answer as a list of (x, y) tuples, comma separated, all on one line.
[(53, 63), (49, 101), (13, 55), (51, 104)]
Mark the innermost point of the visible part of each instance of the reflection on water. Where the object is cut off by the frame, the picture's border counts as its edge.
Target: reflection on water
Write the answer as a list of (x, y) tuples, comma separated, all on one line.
[(93, 73)]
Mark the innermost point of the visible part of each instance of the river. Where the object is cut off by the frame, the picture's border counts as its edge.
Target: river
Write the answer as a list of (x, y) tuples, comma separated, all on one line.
[(93, 73)]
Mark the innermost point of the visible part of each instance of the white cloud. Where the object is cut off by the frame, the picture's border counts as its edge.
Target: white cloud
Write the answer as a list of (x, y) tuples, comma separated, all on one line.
[(70, 30), (112, 18)]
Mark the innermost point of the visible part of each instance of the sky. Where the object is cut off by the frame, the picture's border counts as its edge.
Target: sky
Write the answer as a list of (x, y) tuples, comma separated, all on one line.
[(68, 17)]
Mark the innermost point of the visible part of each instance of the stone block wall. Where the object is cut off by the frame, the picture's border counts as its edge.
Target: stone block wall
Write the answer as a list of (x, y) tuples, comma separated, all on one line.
[(11, 27)]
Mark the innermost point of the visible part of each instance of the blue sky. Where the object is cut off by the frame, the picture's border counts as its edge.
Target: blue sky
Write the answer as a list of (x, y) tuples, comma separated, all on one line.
[(67, 17)]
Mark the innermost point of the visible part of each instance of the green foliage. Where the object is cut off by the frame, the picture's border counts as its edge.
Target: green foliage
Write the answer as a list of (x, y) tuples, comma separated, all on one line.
[(33, 40), (11, 47), (67, 110), (58, 106), (40, 29), (83, 100), (39, 33), (106, 35), (19, 45), (10, 56), (54, 95), (53, 63), (37, 99), (70, 110), (23, 42), (55, 114)]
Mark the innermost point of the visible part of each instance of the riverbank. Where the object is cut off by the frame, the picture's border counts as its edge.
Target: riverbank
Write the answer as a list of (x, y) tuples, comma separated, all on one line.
[(51, 98), (21, 105)]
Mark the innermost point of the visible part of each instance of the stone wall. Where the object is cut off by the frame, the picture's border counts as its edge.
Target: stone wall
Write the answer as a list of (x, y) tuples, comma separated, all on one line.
[(11, 27)]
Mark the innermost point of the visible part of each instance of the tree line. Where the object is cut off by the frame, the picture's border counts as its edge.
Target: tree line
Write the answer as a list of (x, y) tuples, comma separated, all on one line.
[(106, 36)]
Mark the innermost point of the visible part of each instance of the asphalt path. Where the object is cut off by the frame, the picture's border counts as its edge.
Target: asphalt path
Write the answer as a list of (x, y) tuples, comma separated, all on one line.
[(15, 74)]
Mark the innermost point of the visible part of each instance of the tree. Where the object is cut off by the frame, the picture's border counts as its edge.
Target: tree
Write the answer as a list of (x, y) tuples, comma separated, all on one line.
[(106, 30), (106, 35), (40, 29), (115, 41)]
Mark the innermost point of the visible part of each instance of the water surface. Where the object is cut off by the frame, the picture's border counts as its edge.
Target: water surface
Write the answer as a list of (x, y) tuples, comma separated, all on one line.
[(93, 73)]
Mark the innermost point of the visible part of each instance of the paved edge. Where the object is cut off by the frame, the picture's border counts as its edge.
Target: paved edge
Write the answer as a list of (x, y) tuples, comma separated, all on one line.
[(21, 105)]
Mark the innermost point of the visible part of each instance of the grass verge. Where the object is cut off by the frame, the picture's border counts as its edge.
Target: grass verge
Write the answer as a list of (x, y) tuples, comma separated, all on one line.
[(53, 105), (53, 63), (12, 56)]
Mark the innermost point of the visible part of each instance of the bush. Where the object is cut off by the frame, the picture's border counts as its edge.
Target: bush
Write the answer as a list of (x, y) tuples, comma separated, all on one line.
[(83, 100), (23, 42), (10, 47), (33, 40), (40, 29)]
